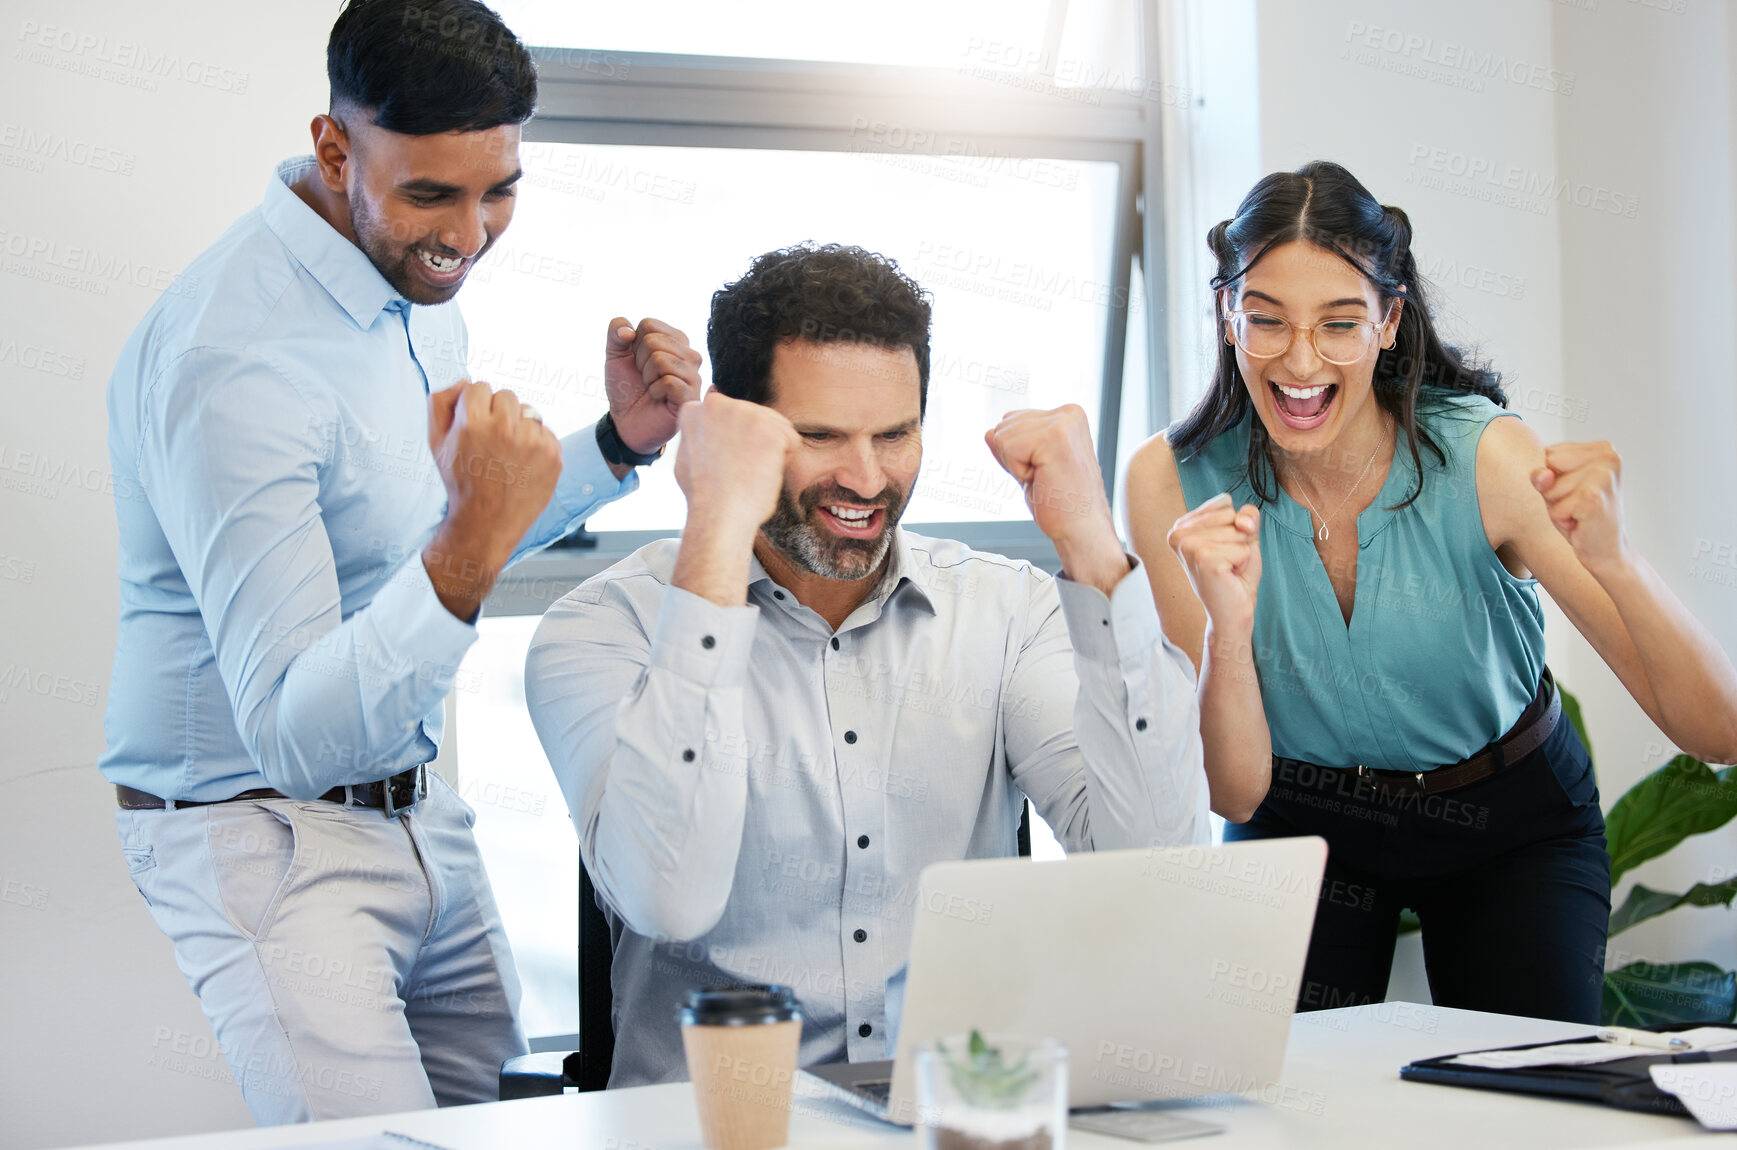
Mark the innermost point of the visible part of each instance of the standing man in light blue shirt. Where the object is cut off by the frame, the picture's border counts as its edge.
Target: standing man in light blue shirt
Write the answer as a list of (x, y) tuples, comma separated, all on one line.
[(319, 501)]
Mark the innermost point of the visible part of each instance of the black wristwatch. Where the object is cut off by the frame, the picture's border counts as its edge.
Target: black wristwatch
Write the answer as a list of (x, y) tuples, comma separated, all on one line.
[(617, 452)]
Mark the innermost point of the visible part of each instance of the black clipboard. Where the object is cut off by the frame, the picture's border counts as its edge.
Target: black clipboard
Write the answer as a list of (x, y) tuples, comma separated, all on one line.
[(1625, 1083)]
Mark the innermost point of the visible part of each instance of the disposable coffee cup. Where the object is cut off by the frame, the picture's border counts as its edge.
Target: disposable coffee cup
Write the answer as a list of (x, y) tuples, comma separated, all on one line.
[(741, 1045)]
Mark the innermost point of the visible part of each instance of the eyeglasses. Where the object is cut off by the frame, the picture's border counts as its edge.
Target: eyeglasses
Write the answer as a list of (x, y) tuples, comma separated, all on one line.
[(1338, 341)]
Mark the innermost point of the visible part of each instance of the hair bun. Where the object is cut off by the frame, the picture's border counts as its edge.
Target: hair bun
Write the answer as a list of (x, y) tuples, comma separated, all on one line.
[(1400, 223), (1218, 239)]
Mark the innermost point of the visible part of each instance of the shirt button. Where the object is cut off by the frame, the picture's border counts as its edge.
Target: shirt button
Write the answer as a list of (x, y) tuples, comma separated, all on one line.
[(777, 594), (860, 935), (865, 1030), (862, 841), (586, 489), (850, 736), (835, 643), (1139, 724), (708, 642), (688, 755)]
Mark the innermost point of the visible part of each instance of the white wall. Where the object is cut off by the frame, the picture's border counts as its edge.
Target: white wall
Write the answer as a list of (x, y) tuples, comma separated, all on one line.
[(103, 1038), (1647, 333), (1608, 323), (1211, 158)]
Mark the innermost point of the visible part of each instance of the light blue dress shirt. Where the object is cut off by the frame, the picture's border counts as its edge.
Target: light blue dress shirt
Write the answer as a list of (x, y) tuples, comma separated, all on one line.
[(268, 433)]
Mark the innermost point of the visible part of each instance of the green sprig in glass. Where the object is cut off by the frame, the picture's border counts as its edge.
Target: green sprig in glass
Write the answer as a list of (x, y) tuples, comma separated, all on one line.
[(983, 1079)]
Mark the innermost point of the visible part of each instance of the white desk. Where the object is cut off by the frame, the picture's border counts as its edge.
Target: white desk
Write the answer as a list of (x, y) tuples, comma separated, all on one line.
[(1341, 1090)]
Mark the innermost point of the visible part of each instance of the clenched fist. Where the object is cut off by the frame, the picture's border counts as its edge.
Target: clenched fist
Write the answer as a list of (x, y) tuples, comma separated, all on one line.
[(1582, 488), (731, 468), (1220, 549), (1052, 456), (499, 469), (649, 372), (731, 462)]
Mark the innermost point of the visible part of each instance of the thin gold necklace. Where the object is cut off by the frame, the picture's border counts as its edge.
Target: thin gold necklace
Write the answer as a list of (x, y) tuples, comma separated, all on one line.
[(1323, 534)]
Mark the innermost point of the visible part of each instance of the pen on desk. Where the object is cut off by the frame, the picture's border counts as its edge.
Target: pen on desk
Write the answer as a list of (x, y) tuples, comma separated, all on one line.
[(1628, 1036)]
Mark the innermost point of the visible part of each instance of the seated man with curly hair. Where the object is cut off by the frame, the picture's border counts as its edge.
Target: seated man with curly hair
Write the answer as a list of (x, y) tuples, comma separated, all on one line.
[(767, 728)]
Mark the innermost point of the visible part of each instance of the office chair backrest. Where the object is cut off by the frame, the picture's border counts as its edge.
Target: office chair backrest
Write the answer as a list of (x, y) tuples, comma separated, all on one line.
[(596, 997), (551, 1072)]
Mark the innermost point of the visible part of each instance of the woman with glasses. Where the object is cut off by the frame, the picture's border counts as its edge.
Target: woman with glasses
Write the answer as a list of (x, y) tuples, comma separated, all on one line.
[(1348, 539)]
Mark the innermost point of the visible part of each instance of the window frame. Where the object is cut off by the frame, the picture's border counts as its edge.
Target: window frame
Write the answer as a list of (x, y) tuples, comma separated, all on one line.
[(656, 99)]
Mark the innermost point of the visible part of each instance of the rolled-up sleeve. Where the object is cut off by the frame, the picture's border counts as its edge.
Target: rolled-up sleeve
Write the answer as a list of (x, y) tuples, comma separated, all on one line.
[(632, 712)]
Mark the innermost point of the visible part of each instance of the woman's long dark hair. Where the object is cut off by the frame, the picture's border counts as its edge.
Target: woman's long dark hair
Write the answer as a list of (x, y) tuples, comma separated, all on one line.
[(1324, 204)]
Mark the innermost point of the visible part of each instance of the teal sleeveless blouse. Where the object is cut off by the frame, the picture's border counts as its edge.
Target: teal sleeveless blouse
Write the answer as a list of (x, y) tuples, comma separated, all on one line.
[(1445, 646)]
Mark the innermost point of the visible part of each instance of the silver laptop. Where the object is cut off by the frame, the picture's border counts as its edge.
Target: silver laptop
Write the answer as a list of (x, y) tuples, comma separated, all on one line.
[(1166, 973)]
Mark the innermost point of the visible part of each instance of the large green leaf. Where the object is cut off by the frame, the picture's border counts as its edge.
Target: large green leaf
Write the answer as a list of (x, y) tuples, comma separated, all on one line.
[(1682, 798), (1571, 708), (1647, 994), (1643, 902)]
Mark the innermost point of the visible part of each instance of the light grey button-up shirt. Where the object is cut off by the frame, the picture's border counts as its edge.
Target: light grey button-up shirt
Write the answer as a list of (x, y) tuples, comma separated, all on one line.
[(756, 795)]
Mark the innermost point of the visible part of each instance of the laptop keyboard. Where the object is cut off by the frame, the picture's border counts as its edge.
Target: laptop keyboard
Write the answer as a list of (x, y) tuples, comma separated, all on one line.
[(879, 1089)]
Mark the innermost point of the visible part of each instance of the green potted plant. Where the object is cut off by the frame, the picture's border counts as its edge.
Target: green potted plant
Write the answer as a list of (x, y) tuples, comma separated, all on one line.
[(1682, 798), (999, 1092)]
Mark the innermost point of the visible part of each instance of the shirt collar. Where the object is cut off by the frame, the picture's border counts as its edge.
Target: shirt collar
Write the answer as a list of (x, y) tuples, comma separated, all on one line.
[(341, 267), (903, 578)]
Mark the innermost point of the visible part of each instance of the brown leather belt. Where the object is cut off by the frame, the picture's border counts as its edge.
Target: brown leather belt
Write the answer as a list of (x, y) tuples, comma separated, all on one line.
[(1528, 733), (394, 795)]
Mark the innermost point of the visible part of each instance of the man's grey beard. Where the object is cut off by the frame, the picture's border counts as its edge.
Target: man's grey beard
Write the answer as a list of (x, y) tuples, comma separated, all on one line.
[(820, 553)]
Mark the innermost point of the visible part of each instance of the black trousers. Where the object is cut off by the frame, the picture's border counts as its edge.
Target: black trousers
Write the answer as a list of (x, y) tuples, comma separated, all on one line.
[(1509, 876)]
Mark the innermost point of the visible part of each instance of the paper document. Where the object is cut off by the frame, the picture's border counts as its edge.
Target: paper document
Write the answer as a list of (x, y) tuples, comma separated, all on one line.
[(1701, 1038), (1562, 1054), (1708, 1089)]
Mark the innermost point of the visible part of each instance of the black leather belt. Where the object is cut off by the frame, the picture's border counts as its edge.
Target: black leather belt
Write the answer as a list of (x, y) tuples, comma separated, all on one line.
[(394, 795), (1528, 733)]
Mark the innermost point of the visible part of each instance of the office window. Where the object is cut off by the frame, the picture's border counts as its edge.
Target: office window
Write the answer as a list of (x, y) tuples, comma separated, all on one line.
[(1069, 43), (1017, 255), (899, 32)]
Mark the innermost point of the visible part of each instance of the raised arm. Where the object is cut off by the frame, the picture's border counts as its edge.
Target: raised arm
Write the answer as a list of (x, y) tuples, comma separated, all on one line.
[(230, 455), (1204, 567), (649, 372), (1126, 771), (638, 718), (1557, 511)]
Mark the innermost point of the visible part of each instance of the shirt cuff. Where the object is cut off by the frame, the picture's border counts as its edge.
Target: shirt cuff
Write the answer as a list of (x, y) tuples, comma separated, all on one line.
[(1114, 627), (586, 481), (701, 641), (411, 616)]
